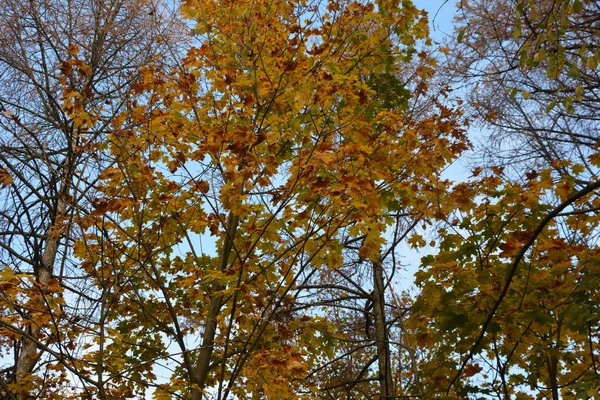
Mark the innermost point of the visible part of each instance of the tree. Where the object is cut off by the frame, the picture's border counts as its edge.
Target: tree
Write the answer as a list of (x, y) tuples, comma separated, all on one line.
[(510, 302), (65, 70), (288, 140), (531, 73)]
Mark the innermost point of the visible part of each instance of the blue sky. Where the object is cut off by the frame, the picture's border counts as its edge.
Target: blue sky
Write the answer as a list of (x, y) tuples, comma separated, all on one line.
[(441, 23)]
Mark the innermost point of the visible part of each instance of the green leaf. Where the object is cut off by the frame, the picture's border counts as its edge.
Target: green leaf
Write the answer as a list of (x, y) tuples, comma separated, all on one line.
[(453, 321), (551, 106), (517, 31), (568, 104), (540, 55), (574, 70), (579, 92), (494, 328)]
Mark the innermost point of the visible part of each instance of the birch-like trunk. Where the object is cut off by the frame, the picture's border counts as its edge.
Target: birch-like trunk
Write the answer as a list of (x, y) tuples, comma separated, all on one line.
[(29, 353)]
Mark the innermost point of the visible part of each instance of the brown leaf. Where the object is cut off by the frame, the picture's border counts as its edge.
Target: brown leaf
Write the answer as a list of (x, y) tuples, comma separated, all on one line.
[(5, 178)]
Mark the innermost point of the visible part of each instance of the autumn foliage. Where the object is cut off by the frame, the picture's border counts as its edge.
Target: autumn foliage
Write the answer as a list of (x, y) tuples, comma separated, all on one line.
[(234, 227)]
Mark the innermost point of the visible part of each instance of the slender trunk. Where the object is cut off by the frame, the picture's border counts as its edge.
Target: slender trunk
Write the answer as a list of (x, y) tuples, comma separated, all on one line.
[(553, 372), (553, 362), (381, 333), (29, 354), (216, 302)]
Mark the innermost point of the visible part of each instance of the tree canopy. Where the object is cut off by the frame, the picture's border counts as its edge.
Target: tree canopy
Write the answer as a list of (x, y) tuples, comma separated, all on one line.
[(215, 200)]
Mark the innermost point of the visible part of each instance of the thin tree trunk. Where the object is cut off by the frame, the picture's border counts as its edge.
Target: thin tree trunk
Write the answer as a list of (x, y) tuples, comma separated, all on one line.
[(29, 354), (381, 333), (216, 302), (553, 371), (553, 363)]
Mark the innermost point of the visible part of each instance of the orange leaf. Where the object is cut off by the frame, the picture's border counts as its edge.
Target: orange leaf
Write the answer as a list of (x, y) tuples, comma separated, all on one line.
[(471, 370), (5, 178)]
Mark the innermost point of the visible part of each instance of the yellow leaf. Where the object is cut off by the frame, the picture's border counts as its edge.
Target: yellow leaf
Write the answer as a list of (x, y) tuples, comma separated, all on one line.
[(370, 250), (416, 241), (564, 189)]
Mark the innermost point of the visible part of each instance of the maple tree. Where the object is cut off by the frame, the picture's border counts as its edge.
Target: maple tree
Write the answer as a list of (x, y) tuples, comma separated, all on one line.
[(509, 303), (65, 70), (240, 216)]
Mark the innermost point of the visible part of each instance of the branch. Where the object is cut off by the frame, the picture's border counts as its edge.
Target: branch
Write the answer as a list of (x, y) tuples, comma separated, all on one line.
[(513, 269)]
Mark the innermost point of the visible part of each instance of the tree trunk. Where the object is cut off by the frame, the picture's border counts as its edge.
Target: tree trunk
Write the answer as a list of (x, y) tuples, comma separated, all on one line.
[(216, 302), (553, 372), (381, 333), (29, 354)]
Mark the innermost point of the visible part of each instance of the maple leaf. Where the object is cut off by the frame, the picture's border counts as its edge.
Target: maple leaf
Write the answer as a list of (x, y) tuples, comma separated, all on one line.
[(471, 370), (5, 178)]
